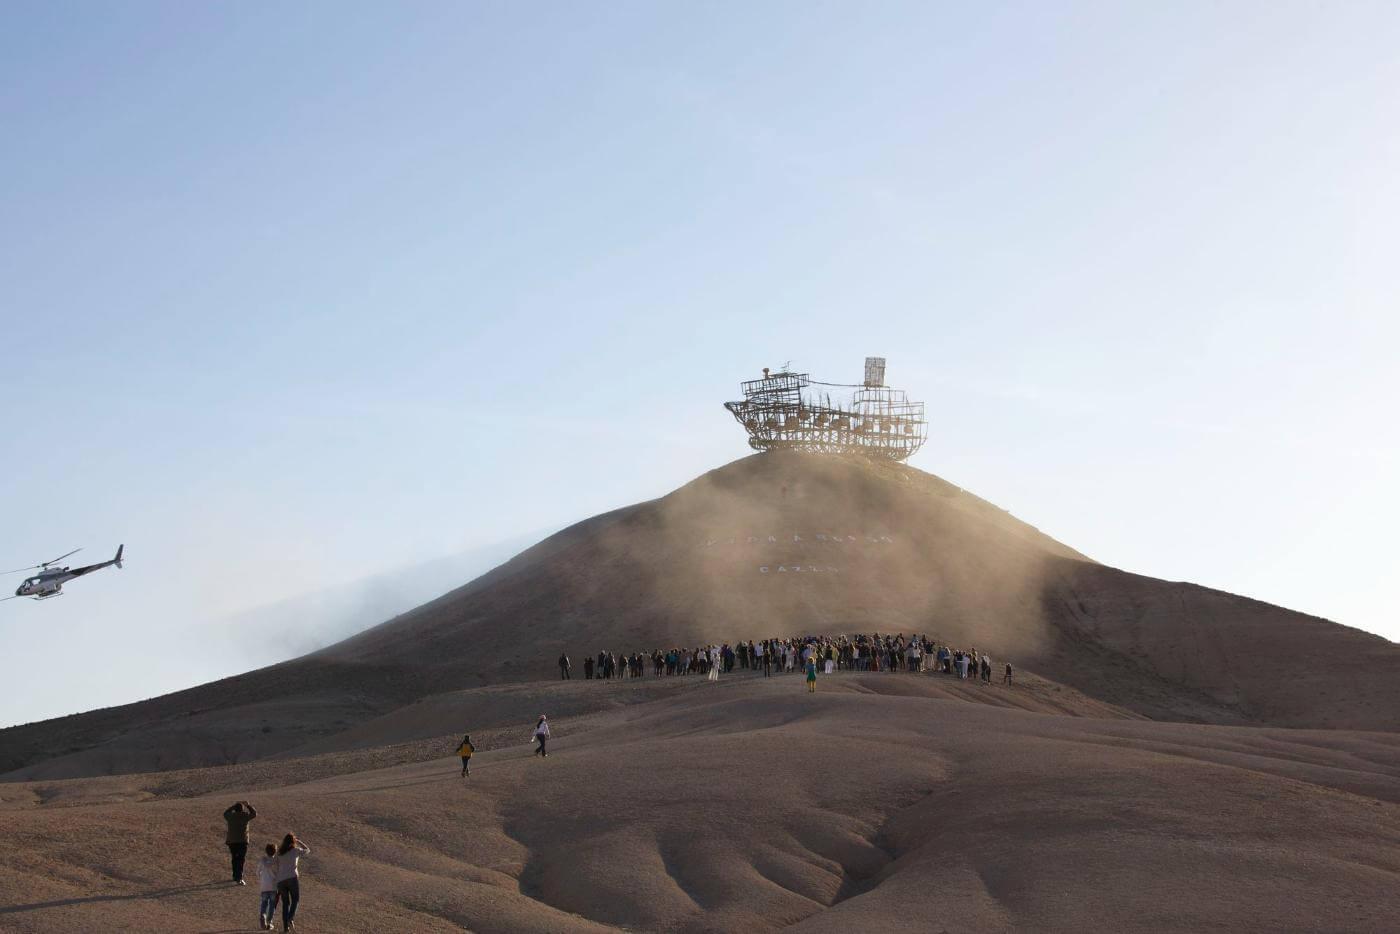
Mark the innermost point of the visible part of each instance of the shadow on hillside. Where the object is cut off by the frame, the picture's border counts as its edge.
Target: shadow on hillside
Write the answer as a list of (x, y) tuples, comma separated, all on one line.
[(64, 902)]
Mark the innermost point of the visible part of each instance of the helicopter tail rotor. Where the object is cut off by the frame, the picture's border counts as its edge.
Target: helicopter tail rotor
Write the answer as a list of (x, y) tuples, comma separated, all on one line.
[(118, 558)]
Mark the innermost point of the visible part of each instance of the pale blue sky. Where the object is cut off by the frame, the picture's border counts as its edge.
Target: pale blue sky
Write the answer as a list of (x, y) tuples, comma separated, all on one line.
[(299, 293)]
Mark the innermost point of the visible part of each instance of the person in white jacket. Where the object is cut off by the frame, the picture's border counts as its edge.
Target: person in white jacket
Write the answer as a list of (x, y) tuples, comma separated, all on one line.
[(267, 888), (542, 734), (289, 879)]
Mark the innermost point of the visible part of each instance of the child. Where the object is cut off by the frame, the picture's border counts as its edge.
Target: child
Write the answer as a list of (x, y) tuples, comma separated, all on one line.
[(811, 675), (465, 750), (267, 888)]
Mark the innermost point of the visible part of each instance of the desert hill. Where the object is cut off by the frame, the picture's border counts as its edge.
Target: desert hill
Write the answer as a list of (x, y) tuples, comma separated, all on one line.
[(770, 545)]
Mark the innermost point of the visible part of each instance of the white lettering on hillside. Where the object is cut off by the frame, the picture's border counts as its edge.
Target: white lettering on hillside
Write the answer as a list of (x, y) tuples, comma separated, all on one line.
[(796, 569), (801, 538)]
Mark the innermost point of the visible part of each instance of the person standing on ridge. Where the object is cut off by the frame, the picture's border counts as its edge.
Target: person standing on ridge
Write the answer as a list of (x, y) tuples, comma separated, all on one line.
[(465, 750), (237, 817), (564, 667), (542, 736)]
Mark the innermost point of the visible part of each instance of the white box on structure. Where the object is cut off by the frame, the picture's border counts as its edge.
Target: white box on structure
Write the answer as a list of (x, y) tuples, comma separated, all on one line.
[(874, 371)]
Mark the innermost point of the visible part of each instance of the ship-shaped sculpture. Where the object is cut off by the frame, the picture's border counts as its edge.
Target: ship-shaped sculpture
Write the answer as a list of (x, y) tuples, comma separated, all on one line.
[(791, 411)]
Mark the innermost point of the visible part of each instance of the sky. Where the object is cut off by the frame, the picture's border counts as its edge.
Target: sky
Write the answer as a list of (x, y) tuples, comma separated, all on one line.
[(300, 294)]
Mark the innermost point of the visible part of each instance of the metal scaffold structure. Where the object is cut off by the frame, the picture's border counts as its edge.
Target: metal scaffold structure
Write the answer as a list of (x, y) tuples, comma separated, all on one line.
[(791, 411)]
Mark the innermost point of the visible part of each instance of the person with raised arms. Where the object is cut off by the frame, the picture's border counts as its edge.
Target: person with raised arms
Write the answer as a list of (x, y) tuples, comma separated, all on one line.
[(237, 817), (289, 855)]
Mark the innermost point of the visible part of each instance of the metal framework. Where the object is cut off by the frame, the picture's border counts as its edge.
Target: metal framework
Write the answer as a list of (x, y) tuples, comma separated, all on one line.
[(791, 411)]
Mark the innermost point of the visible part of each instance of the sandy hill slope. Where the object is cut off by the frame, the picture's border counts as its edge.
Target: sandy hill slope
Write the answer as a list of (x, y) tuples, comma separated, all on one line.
[(884, 802), (771, 545)]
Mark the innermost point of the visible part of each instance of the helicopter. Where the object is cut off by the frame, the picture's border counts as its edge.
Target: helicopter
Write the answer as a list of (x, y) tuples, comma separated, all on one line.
[(50, 580)]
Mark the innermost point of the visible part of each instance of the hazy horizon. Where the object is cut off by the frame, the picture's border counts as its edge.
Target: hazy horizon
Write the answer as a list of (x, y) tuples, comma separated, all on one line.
[(300, 294)]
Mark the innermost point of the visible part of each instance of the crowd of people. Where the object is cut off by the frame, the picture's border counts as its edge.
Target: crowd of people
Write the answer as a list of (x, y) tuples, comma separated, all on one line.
[(279, 869), (279, 877), (828, 654)]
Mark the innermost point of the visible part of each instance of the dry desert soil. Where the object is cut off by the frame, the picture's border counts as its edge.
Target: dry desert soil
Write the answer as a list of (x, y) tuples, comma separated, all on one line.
[(1170, 758), (883, 802)]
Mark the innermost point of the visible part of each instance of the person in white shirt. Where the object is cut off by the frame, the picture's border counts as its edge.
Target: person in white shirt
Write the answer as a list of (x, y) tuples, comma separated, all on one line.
[(542, 735), (267, 888), (289, 854)]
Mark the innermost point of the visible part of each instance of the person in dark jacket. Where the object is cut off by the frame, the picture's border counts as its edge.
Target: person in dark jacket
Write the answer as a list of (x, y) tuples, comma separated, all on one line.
[(564, 667), (238, 815)]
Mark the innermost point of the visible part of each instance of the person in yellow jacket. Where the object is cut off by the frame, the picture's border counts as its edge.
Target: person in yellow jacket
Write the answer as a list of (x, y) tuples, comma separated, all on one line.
[(465, 750)]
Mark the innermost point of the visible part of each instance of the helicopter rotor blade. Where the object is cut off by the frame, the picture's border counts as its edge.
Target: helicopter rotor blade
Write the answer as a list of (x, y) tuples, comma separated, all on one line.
[(60, 558), (32, 567)]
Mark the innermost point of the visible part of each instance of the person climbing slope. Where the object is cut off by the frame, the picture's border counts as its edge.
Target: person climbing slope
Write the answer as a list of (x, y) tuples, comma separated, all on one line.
[(238, 815), (289, 855), (465, 750), (541, 735), (267, 888)]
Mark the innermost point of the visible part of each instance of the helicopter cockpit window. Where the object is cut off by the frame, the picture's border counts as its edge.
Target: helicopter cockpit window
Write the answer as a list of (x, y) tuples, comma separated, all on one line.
[(32, 582)]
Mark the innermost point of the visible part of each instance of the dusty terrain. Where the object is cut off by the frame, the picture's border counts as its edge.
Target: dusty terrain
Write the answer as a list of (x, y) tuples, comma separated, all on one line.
[(884, 802), (1170, 758), (770, 545)]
